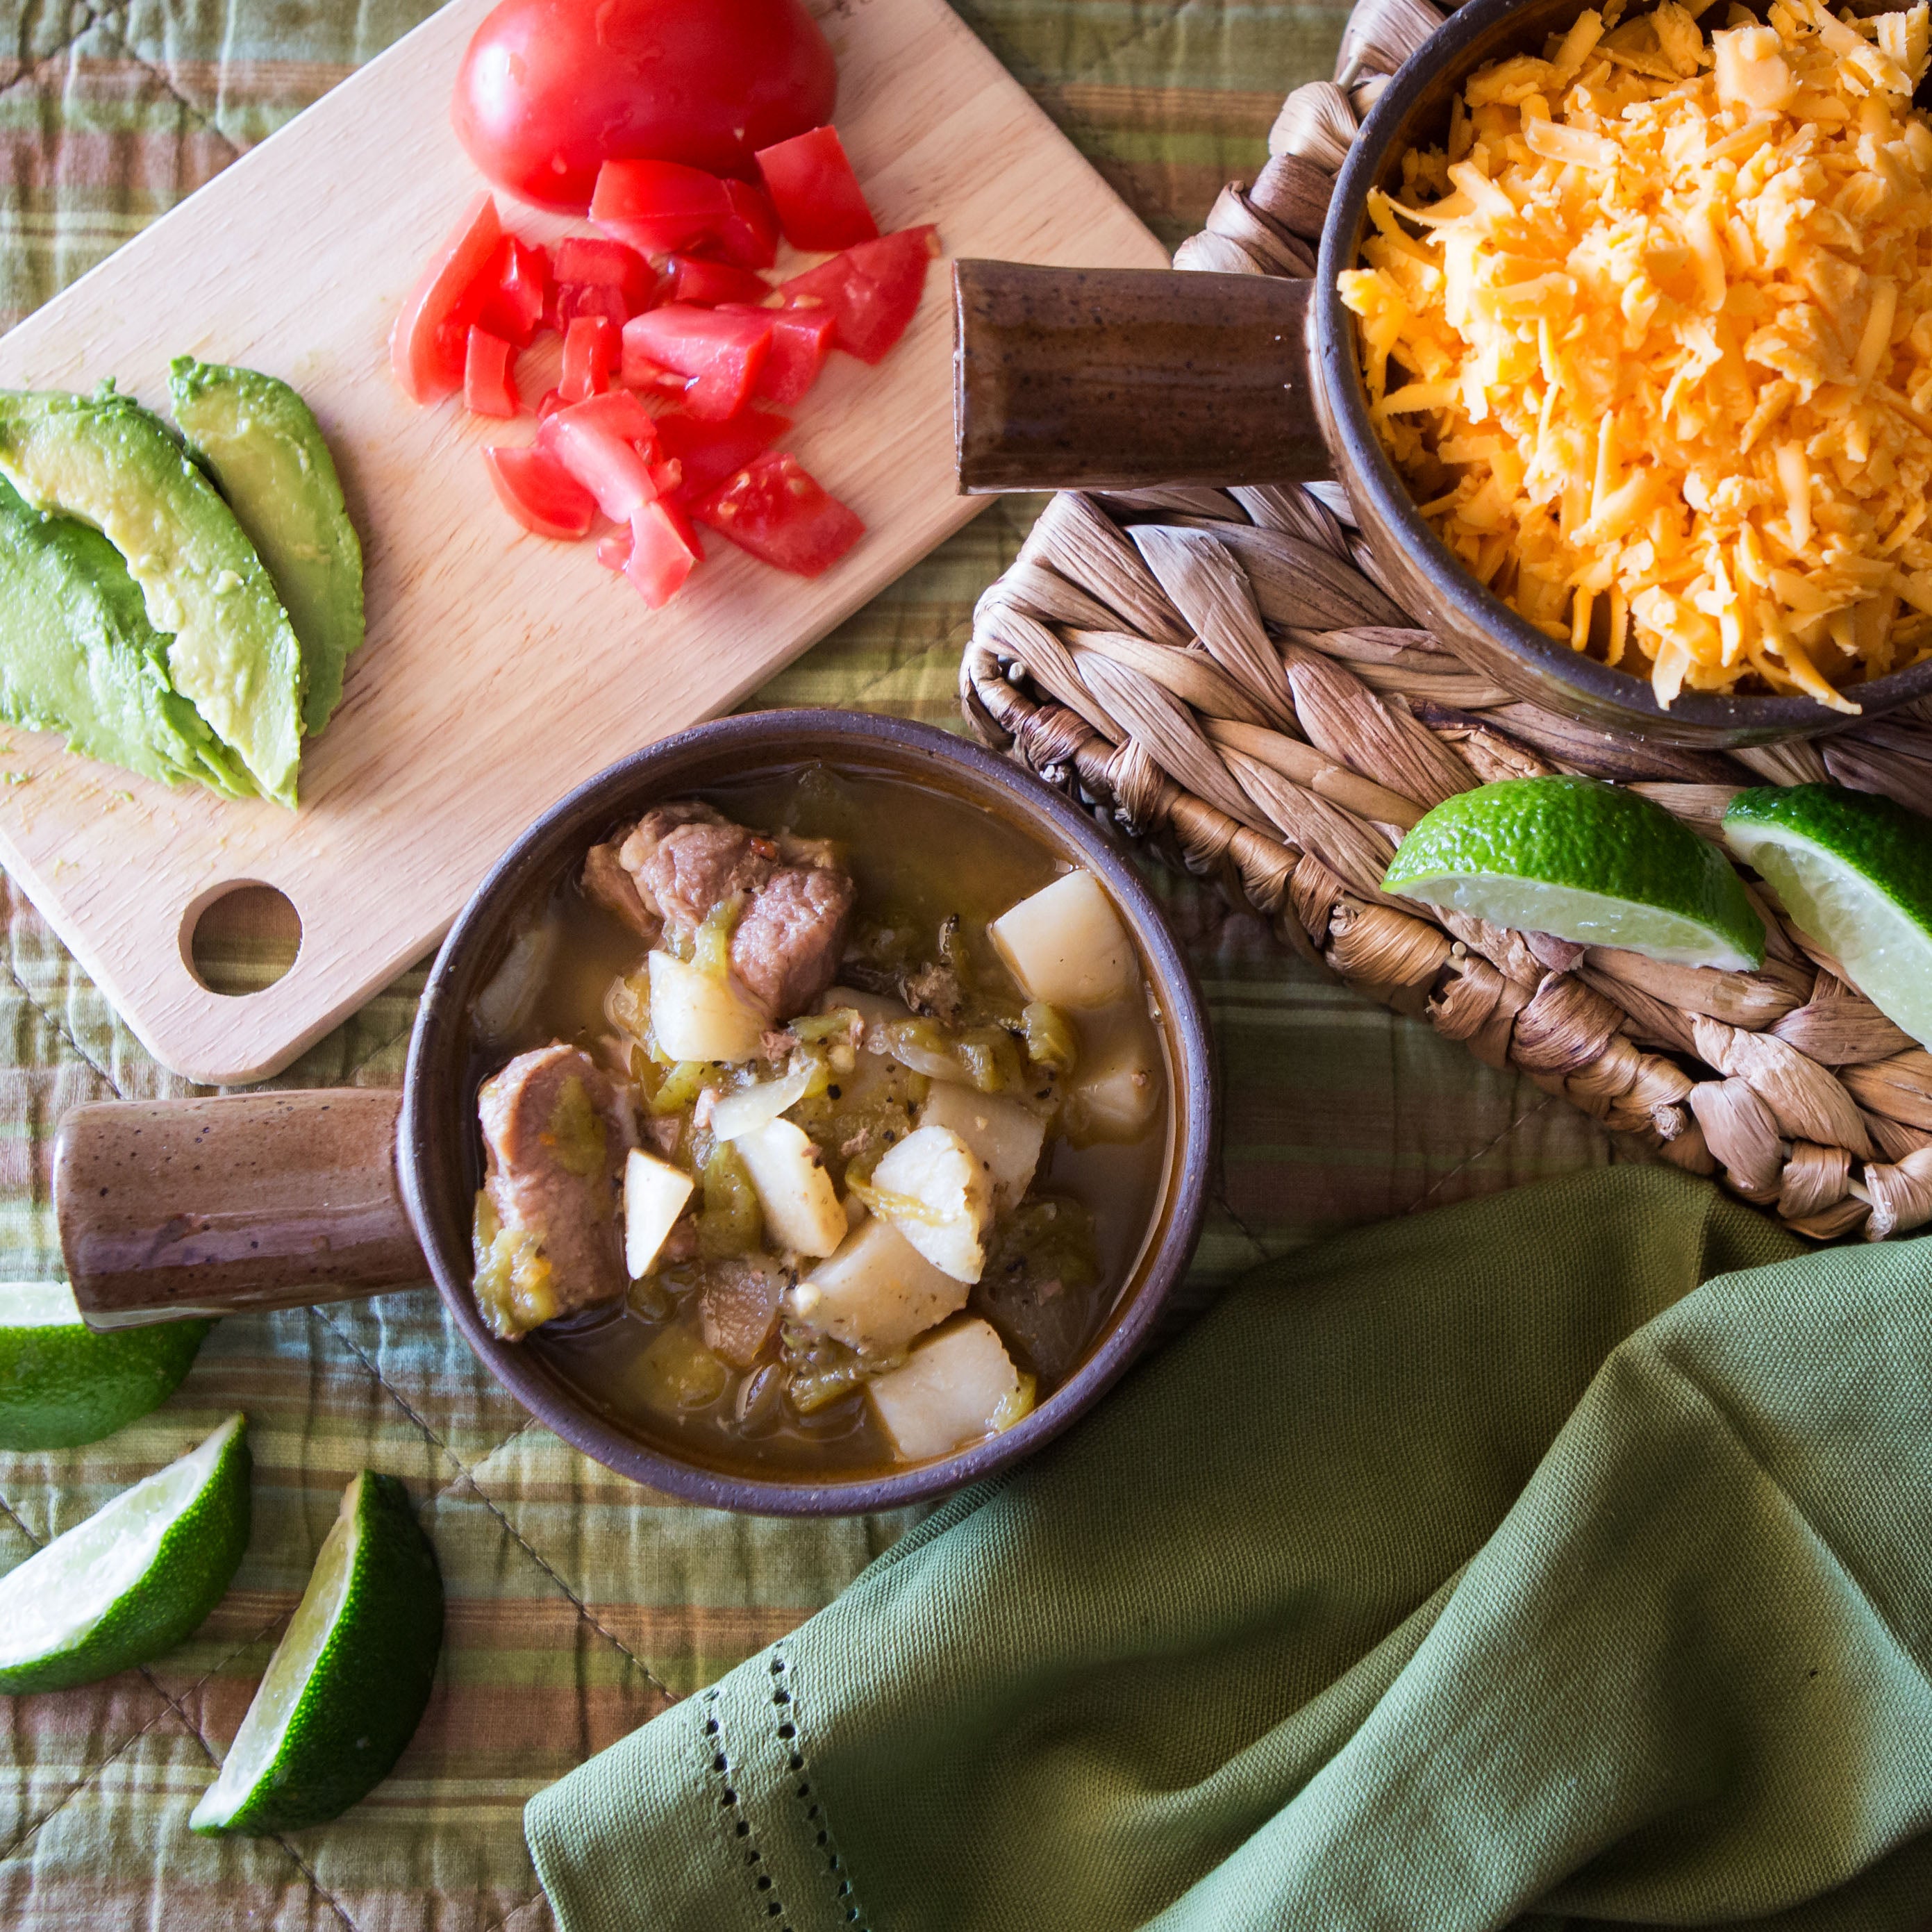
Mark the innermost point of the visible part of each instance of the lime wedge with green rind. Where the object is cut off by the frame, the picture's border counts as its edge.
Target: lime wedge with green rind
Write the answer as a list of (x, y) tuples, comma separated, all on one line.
[(62, 1384), (345, 1688), (135, 1578), (1590, 863), (1854, 870)]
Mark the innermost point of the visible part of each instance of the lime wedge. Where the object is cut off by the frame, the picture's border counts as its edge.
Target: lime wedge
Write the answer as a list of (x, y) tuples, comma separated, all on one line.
[(1854, 873), (133, 1579), (1590, 863), (62, 1384), (345, 1687)]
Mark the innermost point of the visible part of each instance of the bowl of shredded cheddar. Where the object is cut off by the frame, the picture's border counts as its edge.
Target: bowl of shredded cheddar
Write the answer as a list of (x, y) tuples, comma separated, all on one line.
[(1641, 326)]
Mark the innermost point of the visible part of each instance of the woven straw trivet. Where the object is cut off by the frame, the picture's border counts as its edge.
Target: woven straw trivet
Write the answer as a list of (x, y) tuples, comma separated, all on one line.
[(1223, 675)]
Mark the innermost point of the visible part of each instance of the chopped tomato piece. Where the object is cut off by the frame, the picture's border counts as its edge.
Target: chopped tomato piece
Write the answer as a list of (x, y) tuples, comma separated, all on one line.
[(568, 300), (711, 451), (597, 441), (489, 389), (537, 489), (614, 550), (872, 290), (775, 510), (658, 205), (553, 401), (594, 262), (721, 353), (430, 341), (801, 340), (517, 282), (590, 349), (817, 196), (618, 413), (748, 236), (663, 546), (710, 284)]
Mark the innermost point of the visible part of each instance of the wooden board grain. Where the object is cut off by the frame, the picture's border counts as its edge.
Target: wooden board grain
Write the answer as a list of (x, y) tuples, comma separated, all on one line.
[(500, 670)]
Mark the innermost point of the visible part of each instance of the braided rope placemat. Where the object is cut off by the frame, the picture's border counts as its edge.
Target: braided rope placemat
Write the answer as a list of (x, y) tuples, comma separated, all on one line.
[(1224, 674)]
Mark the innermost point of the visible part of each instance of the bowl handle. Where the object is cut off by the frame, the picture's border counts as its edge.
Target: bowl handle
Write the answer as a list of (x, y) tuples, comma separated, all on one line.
[(1121, 378), (171, 1208)]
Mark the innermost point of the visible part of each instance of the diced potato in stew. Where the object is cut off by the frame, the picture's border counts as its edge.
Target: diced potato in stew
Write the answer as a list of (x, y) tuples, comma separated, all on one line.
[(830, 1128), (955, 1386)]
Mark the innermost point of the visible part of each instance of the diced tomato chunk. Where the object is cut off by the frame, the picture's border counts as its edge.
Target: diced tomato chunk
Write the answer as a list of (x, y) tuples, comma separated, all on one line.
[(748, 236), (664, 548), (606, 442), (429, 343), (801, 340), (516, 285), (774, 508), (536, 489), (614, 548), (721, 353), (711, 283), (657, 205), (591, 345), (817, 196), (553, 400), (872, 290), (568, 300), (594, 262), (711, 451), (489, 389)]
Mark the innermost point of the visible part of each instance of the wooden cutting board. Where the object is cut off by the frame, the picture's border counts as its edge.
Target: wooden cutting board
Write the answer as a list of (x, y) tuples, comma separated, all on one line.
[(501, 669)]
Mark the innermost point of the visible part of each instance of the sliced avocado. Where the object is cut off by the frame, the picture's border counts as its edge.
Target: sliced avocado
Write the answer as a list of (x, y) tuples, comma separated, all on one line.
[(78, 655), (258, 440), (232, 650)]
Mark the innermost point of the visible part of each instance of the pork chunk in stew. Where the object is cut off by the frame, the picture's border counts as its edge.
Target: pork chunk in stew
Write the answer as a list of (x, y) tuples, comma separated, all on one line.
[(898, 1102), (556, 1130)]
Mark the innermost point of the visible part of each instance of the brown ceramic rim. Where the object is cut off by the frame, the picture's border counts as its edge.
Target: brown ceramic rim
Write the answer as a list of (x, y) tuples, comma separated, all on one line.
[(437, 1148), (1414, 108)]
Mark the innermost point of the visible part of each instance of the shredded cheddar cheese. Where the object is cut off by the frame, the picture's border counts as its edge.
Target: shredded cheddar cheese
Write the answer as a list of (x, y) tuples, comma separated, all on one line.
[(1651, 343)]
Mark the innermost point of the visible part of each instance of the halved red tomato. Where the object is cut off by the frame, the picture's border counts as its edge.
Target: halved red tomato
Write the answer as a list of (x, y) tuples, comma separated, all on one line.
[(776, 510), (872, 290), (551, 89), (712, 284), (430, 339), (488, 388), (590, 349), (517, 281), (664, 548), (720, 353), (801, 340), (711, 451), (606, 442), (593, 260), (817, 196), (537, 489), (658, 205)]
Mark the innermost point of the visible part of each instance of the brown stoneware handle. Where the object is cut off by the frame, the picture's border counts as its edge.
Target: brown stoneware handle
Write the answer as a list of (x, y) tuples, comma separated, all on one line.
[(1071, 378), (171, 1208)]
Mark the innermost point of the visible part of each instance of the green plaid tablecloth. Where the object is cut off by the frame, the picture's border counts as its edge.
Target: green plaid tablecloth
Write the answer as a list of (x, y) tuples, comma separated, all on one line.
[(578, 1604)]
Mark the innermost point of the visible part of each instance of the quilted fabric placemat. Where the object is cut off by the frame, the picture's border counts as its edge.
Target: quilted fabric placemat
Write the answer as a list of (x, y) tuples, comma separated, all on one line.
[(578, 1604)]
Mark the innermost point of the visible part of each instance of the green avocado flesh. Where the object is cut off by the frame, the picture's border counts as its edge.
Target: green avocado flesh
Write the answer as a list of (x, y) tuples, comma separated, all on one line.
[(258, 440), (78, 655), (231, 650)]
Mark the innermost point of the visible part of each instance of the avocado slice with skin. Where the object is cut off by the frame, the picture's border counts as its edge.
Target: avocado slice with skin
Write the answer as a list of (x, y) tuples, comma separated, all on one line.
[(107, 461), (78, 655), (259, 442)]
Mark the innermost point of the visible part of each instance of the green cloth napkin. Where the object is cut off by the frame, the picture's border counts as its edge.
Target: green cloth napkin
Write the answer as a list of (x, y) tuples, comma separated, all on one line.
[(1482, 1568)]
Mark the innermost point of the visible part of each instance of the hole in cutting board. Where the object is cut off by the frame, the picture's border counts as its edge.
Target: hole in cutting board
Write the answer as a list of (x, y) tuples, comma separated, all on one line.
[(242, 940)]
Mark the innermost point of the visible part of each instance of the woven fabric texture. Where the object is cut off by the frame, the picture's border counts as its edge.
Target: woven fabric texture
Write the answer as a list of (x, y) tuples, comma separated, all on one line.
[(578, 1604)]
